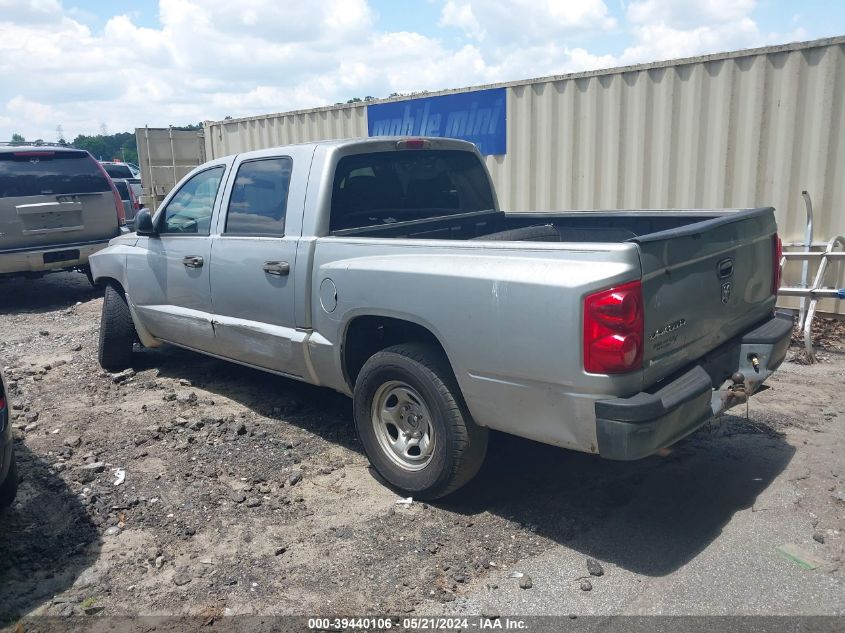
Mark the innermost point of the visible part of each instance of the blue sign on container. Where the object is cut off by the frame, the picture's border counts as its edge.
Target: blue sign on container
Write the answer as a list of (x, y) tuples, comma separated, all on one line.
[(479, 116)]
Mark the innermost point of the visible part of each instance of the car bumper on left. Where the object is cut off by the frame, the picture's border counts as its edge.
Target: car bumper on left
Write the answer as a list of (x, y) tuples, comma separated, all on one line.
[(47, 259)]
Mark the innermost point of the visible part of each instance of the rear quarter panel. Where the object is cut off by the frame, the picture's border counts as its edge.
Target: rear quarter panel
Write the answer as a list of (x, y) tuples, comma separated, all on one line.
[(508, 317)]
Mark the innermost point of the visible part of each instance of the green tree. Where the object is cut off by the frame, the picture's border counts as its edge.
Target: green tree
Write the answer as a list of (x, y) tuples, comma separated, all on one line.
[(17, 138), (189, 128), (120, 146)]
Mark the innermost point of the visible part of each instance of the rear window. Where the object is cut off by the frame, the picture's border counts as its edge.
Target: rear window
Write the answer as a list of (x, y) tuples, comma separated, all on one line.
[(387, 187), (122, 189), (34, 173), (118, 171)]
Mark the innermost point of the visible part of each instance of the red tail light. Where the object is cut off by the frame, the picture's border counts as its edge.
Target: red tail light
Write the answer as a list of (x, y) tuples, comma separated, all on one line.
[(2, 403), (613, 330), (118, 203), (777, 254)]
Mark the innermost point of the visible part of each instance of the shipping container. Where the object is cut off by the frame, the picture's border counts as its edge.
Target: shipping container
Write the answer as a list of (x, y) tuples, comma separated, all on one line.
[(165, 155)]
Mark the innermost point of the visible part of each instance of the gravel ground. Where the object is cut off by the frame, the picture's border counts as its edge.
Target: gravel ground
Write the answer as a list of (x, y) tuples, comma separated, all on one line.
[(248, 493)]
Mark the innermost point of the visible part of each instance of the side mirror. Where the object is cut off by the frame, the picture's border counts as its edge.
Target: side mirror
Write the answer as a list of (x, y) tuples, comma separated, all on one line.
[(144, 223)]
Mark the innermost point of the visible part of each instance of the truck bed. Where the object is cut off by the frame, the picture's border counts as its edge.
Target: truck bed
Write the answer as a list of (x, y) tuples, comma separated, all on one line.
[(712, 255), (554, 226)]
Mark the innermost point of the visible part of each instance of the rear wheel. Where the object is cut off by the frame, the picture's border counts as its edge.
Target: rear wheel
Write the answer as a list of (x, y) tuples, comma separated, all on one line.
[(9, 487), (117, 331), (413, 423)]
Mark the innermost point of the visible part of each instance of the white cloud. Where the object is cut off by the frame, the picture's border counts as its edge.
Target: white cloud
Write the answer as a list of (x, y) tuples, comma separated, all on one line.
[(659, 41), (683, 14), (667, 29), (460, 15), (509, 21), (212, 58), (30, 11)]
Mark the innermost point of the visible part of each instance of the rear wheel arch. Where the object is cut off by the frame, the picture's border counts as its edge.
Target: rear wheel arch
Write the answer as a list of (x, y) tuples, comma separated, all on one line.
[(366, 335), (103, 280)]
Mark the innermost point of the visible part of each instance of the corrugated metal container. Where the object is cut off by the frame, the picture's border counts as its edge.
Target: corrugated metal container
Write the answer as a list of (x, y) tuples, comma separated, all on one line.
[(240, 135), (735, 130), (740, 129), (165, 156)]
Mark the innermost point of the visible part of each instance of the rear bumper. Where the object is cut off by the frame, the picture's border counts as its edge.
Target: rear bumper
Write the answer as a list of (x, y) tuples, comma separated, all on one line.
[(45, 259), (635, 427)]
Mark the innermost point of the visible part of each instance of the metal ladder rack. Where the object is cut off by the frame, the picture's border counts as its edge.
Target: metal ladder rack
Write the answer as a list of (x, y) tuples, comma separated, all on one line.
[(817, 290)]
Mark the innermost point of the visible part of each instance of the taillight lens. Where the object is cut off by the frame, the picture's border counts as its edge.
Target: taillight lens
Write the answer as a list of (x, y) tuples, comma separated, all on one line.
[(613, 330), (132, 197), (2, 403), (777, 254), (118, 203)]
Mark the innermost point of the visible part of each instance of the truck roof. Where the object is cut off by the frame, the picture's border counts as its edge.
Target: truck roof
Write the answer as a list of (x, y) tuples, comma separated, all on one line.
[(437, 142)]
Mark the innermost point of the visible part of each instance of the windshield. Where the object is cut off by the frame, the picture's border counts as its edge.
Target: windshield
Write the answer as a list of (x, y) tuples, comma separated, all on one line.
[(387, 187)]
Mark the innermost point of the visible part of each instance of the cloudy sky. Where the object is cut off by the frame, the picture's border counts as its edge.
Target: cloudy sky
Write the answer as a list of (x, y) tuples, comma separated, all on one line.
[(86, 64)]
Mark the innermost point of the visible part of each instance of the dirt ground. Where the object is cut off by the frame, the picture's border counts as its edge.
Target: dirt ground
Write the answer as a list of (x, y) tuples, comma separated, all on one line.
[(248, 493)]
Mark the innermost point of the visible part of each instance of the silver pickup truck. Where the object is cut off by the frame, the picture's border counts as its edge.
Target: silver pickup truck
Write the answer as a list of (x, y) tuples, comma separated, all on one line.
[(384, 269)]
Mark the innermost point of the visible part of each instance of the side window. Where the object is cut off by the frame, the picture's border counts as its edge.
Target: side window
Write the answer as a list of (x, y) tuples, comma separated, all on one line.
[(259, 198), (189, 211)]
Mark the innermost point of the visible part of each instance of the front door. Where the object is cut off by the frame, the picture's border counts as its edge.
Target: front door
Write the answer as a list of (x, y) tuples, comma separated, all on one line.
[(169, 273), (252, 264)]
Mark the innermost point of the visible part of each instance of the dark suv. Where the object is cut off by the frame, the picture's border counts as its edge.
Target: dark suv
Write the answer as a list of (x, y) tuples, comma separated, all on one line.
[(8, 468), (57, 207)]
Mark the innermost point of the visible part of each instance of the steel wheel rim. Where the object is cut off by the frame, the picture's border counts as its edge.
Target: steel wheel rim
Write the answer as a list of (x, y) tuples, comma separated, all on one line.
[(402, 424)]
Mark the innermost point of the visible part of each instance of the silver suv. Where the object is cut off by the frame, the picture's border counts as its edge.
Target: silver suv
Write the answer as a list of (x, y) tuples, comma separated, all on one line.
[(57, 207)]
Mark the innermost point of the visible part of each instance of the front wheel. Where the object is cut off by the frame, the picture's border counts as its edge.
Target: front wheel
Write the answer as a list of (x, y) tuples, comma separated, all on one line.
[(413, 423), (117, 331)]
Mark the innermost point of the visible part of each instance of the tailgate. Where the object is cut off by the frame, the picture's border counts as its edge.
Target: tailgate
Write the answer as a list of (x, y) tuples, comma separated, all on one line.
[(44, 221), (703, 284)]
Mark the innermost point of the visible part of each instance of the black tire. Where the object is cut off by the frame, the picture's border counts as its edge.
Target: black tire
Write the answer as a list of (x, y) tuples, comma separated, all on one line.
[(9, 487), (460, 444), (117, 331)]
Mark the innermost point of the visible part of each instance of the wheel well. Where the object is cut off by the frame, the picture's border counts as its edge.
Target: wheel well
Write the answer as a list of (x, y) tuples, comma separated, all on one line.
[(102, 282), (367, 335)]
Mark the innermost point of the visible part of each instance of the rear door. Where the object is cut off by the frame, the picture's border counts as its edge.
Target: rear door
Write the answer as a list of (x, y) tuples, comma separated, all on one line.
[(703, 284), (169, 273), (253, 260), (54, 197)]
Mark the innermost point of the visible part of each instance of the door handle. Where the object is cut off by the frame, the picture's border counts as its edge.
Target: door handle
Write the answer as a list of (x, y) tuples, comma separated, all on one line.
[(280, 269), (192, 261)]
